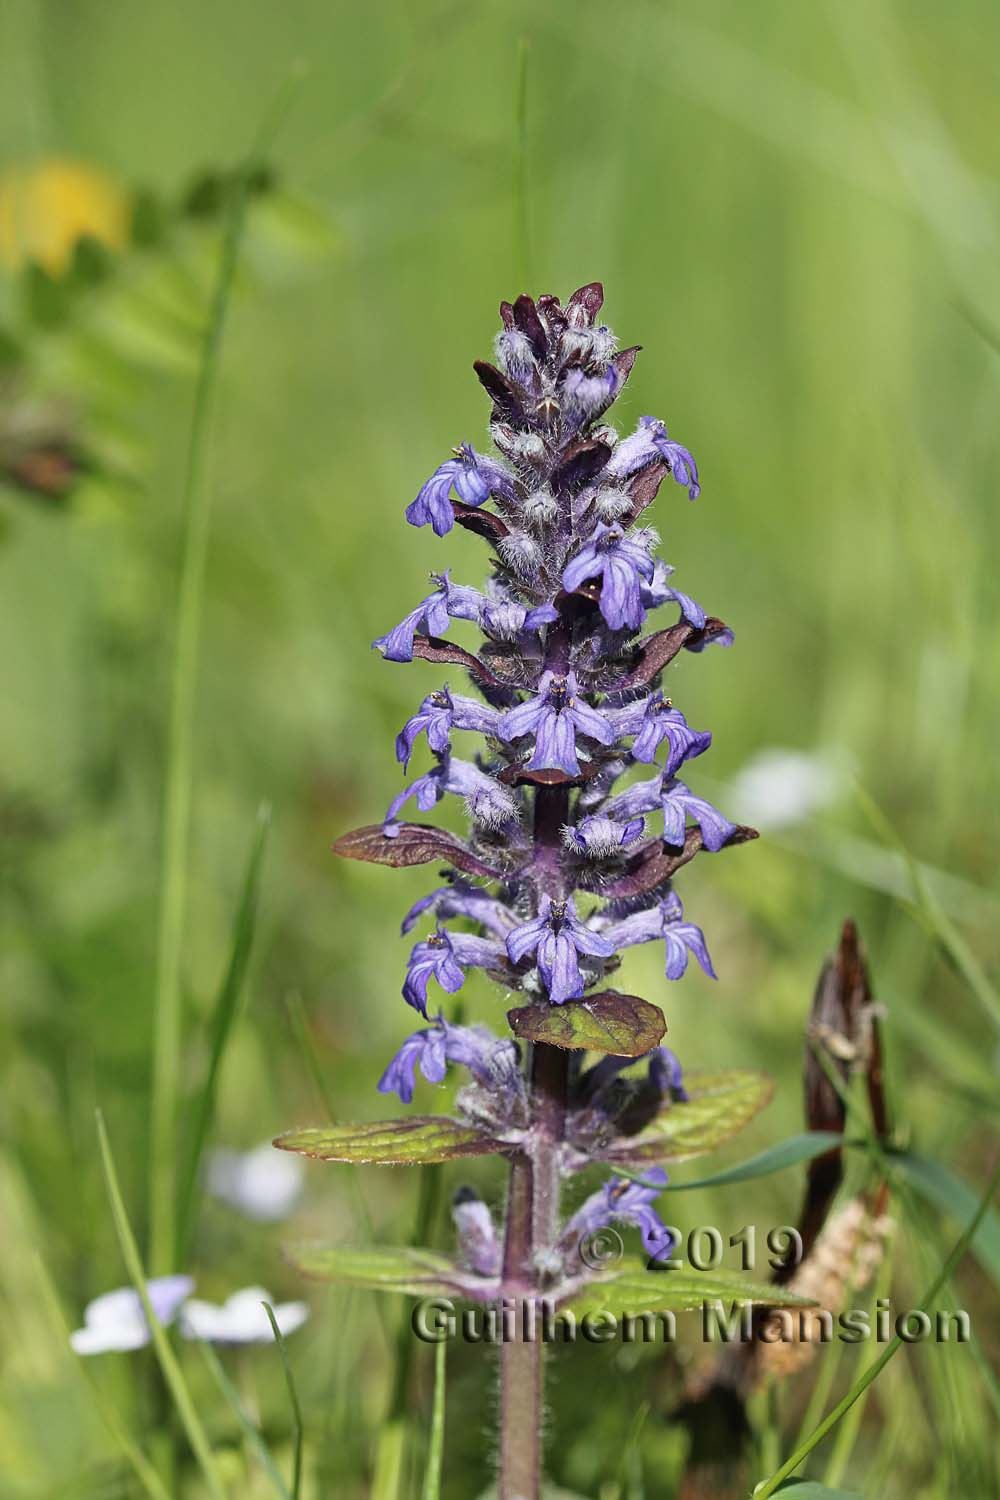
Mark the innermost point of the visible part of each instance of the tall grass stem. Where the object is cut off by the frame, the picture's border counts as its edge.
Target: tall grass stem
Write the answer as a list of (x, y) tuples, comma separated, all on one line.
[(179, 768), (166, 1359)]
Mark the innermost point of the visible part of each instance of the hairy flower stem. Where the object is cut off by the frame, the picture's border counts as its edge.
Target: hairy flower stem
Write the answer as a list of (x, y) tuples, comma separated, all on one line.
[(533, 1210)]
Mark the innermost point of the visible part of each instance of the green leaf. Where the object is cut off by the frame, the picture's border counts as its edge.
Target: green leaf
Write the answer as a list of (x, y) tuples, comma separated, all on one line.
[(293, 1401), (939, 1186), (809, 1489), (250, 1432), (416, 1141), (623, 1025), (935, 919), (634, 1289), (788, 1153), (380, 1268), (718, 1107)]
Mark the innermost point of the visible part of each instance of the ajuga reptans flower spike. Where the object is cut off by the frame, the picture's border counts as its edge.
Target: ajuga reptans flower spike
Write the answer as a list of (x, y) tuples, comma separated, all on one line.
[(570, 856)]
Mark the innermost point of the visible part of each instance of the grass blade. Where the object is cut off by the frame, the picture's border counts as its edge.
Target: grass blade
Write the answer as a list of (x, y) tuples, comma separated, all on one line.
[(293, 1399), (223, 1017), (787, 1153), (934, 916), (165, 1356), (847, 1433), (877, 1366), (144, 1472), (250, 1432), (939, 1186), (178, 779), (435, 1451)]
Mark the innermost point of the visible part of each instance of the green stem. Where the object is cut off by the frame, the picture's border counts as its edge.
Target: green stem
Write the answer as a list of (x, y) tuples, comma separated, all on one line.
[(176, 826), (435, 1452), (167, 1360)]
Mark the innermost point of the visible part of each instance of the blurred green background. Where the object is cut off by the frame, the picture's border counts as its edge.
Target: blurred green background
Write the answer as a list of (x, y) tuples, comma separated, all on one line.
[(795, 210)]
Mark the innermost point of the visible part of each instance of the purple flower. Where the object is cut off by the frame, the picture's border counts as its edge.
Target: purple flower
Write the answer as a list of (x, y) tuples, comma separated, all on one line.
[(724, 637), (666, 1074), (663, 1071), (478, 1243), (624, 1202), (639, 798), (450, 601), (622, 565), (474, 478), (489, 803), (601, 837), (650, 441), (441, 957), (505, 619), (665, 920), (658, 592), (557, 937), (653, 720), (555, 717), (679, 803), (585, 396), (492, 1062), (462, 900), (438, 715)]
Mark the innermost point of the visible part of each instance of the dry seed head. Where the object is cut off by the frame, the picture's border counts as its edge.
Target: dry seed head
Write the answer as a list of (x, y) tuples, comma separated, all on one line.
[(843, 1262)]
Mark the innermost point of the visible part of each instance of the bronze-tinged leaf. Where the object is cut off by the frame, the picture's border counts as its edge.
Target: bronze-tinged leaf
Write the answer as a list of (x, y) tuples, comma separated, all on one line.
[(500, 390), (623, 362), (415, 844), (580, 464), (656, 862), (529, 323), (719, 1106), (516, 775), (434, 648), (644, 487), (658, 651), (622, 1025), (483, 522), (590, 298), (417, 1140)]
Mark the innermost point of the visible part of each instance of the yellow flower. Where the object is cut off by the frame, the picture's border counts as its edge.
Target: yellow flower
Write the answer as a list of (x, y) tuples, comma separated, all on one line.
[(46, 209)]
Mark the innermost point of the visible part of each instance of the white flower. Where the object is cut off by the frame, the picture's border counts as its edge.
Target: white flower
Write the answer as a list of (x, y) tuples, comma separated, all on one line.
[(778, 788), (264, 1184), (241, 1319), (117, 1321)]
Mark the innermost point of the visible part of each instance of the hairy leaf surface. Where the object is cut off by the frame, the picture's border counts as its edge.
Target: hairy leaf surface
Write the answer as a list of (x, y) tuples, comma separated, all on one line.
[(719, 1106), (414, 844), (415, 1141), (622, 1025), (633, 1290)]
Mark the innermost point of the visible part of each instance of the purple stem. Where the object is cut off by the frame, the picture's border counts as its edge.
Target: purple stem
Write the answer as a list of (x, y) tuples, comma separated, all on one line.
[(532, 1217)]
